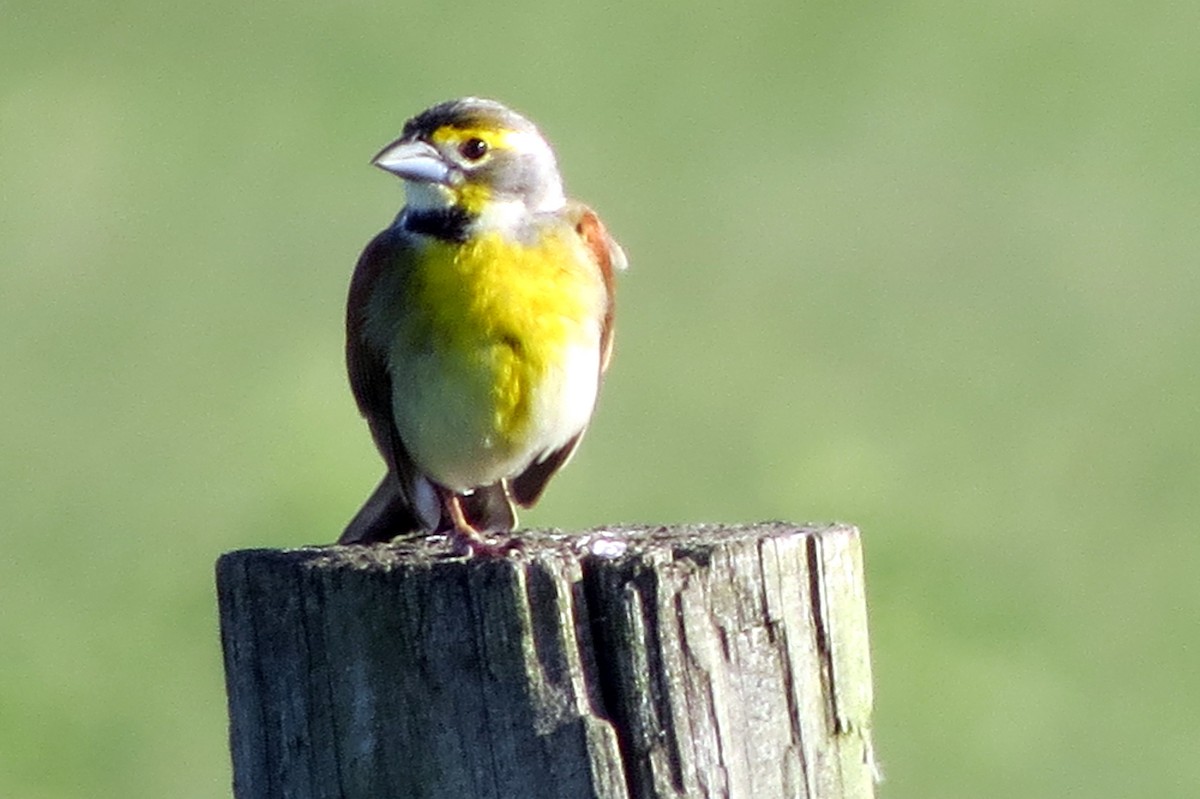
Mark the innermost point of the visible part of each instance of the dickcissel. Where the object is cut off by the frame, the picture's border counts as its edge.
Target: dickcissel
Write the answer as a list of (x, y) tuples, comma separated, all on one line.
[(478, 327)]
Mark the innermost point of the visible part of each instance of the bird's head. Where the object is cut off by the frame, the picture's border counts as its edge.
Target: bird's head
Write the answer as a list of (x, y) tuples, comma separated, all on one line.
[(476, 156)]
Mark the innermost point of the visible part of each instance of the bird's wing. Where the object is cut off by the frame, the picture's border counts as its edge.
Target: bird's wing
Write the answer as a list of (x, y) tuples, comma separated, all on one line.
[(389, 511), (528, 486)]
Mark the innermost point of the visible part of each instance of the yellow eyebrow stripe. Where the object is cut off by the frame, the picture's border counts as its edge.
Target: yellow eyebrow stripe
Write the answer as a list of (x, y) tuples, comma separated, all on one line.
[(448, 134)]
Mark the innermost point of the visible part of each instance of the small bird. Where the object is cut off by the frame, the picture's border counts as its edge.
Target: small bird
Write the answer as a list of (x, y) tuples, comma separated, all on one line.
[(478, 327)]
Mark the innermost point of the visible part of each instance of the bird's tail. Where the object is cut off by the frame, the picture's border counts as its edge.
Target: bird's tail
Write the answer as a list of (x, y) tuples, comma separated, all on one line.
[(489, 509), (385, 515)]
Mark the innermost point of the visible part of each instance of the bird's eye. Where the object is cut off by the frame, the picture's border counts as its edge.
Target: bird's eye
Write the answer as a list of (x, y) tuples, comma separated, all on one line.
[(473, 149)]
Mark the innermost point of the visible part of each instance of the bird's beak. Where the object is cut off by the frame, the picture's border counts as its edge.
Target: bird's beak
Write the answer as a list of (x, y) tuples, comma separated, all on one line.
[(417, 161)]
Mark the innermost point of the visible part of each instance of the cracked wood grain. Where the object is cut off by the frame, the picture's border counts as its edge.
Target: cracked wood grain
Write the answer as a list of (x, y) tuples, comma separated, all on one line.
[(624, 663)]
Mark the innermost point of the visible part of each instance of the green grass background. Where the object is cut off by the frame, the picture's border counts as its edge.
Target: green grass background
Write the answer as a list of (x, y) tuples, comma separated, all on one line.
[(927, 267)]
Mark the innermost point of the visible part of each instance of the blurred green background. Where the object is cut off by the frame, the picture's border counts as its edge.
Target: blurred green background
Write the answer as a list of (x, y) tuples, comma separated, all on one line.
[(927, 267)]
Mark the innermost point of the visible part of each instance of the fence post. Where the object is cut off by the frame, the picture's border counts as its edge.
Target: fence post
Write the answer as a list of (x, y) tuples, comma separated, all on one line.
[(621, 663)]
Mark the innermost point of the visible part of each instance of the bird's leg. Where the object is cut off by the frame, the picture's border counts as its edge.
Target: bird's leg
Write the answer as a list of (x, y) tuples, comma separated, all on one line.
[(465, 539)]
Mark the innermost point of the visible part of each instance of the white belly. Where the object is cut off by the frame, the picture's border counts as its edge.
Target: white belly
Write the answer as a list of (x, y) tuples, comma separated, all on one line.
[(445, 411)]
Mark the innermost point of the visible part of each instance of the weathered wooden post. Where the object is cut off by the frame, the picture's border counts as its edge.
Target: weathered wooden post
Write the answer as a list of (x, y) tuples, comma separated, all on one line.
[(631, 663)]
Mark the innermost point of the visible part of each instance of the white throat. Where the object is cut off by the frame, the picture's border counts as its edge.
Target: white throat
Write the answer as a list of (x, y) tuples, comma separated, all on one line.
[(500, 214), (422, 196)]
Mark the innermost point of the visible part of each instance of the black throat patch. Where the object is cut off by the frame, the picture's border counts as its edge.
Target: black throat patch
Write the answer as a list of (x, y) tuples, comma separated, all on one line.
[(448, 224)]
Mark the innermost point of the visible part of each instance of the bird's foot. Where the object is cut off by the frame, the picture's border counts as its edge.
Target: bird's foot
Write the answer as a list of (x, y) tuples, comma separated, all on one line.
[(465, 539), (471, 543)]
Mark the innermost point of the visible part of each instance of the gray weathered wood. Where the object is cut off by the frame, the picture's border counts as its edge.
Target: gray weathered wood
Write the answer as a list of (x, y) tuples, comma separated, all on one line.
[(627, 663)]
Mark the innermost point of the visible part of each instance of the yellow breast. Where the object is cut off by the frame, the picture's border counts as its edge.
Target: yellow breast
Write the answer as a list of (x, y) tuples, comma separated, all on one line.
[(497, 353)]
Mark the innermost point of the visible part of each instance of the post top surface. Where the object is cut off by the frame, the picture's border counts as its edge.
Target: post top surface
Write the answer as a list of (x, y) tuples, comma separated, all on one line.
[(612, 542)]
